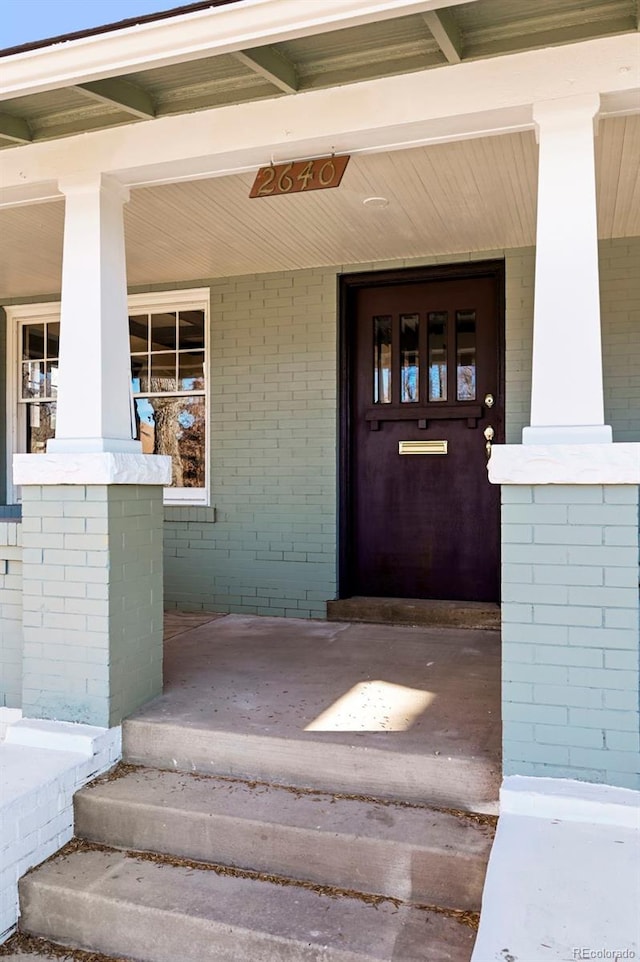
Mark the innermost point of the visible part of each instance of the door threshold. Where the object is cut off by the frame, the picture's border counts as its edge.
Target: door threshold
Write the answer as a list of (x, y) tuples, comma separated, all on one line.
[(416, 611)]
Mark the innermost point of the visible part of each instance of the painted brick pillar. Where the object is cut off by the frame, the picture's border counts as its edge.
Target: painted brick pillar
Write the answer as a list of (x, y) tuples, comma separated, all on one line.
[(570, 632), (92, 600), (570, 620), (92, 514)]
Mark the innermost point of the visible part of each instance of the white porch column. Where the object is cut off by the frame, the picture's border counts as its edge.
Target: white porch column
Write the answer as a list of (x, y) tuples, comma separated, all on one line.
[(567, 404), (94, 411), (92, 511)]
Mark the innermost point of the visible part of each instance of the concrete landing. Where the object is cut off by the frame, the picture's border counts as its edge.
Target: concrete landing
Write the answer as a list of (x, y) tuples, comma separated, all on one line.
[(123, 905), (392, 711), (412, 853), (415, 611)]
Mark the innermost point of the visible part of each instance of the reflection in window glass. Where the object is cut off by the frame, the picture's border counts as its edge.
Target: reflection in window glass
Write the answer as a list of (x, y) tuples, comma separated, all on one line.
[(409, 361), (41, 425), (382, 360), (53, 339), (466, 355), (163, 373), (139, 333), (33, 338), (438, 355), (175, 426), (51, 379), (163, 332), (40, 345), (168, 383), (33, 379), (191, 328), (140, 373), (191, 371)]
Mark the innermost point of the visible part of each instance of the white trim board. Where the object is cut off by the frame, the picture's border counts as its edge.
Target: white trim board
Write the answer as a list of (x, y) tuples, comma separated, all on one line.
[(475, 98)]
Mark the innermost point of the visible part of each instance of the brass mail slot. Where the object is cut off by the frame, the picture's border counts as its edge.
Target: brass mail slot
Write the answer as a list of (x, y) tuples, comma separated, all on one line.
[(422, 447)]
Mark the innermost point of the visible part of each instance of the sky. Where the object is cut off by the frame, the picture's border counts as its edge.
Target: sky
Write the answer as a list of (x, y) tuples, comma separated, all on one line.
[(25, 21)]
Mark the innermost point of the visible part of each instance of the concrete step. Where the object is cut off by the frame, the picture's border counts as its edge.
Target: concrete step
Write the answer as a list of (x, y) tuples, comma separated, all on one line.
[(411, 853), (309, 760), (153, 911), (415, 611)]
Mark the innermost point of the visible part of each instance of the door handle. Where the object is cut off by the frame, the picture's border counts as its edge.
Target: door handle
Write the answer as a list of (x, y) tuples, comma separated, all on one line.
[(489, 435)]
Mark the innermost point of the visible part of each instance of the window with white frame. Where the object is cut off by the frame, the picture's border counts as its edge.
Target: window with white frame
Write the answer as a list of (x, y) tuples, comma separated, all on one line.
[(168, 342)]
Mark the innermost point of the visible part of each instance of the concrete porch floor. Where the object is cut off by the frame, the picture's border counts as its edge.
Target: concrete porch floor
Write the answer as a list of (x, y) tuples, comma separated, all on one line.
[(382, 709)]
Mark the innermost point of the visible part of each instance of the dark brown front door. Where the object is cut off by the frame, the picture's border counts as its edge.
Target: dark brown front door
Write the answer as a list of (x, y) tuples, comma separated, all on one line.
[(423, 359)]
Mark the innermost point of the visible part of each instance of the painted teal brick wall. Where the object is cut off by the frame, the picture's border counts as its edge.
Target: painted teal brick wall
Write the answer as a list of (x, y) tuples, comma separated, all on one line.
[(571, 673), (620, 303), (272, 549), (10, 614)]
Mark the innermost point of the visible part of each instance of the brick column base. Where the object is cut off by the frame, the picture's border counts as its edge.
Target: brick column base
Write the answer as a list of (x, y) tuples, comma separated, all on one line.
[(571, 632), (92, 600)]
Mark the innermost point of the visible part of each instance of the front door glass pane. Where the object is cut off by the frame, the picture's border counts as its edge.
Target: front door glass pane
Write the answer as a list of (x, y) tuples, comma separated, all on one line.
[(382, 359), (438, 355), (409, 361), (466, 355)]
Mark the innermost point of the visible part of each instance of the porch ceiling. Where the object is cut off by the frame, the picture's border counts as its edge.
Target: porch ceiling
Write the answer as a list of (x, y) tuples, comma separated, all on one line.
[(463, 196), (460, 32)]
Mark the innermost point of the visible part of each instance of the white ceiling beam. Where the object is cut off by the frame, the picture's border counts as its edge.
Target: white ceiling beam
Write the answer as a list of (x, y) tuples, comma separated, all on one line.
[(471, 99), (445, 32), (15, 129), (272, 65), (119, 93), (191, 36)]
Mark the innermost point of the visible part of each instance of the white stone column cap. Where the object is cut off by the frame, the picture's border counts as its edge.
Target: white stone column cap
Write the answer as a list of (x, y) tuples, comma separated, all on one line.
[(565, 464), (105, 467), (570, 800)]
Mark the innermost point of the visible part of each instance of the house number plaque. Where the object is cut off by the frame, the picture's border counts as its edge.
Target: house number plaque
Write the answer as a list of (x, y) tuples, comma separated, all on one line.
[(303, 175)]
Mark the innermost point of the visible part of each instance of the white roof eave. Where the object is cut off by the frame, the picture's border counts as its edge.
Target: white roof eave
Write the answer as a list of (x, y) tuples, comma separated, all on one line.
[(191, 36)]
